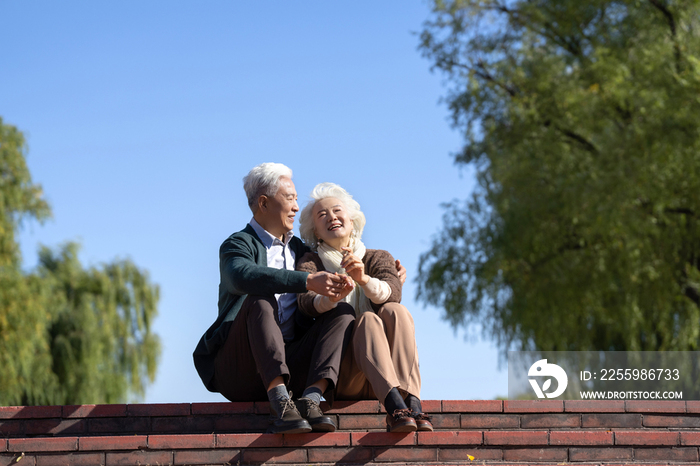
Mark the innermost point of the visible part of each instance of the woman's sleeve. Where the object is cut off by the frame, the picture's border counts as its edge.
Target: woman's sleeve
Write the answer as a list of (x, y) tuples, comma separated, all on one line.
[(382, 266)]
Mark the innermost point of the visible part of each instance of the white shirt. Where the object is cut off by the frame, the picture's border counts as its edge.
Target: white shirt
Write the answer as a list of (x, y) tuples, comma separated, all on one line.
[(280, 256)]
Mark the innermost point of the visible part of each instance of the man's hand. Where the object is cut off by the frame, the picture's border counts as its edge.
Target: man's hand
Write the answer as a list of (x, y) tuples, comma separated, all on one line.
[(401, 271), (329, 284)]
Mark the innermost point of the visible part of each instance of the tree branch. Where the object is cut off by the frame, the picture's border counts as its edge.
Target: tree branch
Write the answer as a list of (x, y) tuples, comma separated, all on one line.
[(672, 25)]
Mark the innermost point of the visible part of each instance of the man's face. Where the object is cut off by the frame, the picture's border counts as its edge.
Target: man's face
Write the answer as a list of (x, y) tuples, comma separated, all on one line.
[(278, 212)]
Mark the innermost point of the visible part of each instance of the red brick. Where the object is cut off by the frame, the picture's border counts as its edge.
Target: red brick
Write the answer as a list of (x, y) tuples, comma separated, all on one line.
[(651, 420), (666, 454), (12, 428), (431, 406), (600, 454), (536, 454), (361, 422), (692, 407), (356, 455), (690, 438), (29, 412), (330, 439), (217, 456), (119, 425), (644, 406), (241, 407), (262, 407), (533, 406), (188, 424), (450, 438), (138, 458), (538, 421), (36, 445), (249, 440), (382, 438), (586, 437), (461, 455), (611, 420), (445, 421), (353, 407), (55, 426), (274, 455), (11, 459), (180, 442), (646, 438), (160, 409), (472, 406), (594, 406), (117, 442), (70, 459), (79, 411), (3, 445), (490, 421), (515, 437), (408, 455), (240, 423)]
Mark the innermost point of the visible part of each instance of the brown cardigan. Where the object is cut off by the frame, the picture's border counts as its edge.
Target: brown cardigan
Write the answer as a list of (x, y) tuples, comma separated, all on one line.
[(378, 264)]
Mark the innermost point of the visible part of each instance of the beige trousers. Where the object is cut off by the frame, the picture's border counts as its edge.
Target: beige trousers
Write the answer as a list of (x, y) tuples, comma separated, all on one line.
[(382, 354)]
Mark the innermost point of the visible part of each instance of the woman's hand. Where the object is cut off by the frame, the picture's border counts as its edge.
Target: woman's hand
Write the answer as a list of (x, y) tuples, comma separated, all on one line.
[(354, 267), (348, 286)]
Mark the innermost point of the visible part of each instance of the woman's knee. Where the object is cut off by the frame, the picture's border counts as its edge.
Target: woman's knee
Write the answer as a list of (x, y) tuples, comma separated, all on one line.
[(395, 313), (369, 322)]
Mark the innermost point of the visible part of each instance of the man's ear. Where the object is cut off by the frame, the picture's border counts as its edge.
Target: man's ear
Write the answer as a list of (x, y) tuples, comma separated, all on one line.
[(262, 203)]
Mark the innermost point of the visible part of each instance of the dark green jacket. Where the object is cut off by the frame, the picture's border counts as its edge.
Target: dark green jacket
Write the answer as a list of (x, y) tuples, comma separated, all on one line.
[(244, 271)]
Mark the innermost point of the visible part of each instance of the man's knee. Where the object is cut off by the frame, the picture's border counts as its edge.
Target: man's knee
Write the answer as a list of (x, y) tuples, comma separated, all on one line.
[(343, 311)]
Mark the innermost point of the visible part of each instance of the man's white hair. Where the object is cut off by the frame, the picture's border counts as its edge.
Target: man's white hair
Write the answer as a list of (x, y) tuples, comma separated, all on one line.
[(264, 180), (323, 191)]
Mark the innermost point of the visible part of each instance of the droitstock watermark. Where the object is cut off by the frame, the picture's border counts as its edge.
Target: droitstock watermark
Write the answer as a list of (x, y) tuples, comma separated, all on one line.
[(603, 375)]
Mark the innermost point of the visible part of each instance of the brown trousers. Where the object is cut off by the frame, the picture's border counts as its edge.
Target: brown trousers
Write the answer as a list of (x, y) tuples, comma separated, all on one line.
[(255, 352), (382, 355)]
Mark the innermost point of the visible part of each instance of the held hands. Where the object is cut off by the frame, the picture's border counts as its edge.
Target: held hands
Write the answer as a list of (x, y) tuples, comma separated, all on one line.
[(332, 285), (354, 267)]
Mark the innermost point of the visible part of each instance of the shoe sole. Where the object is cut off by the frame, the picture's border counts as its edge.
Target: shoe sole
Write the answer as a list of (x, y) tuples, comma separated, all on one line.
[(298, 428), (402, 429), (323, 427)]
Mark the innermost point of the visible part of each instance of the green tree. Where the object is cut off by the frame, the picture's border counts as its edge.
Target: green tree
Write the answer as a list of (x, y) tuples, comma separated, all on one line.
[(68, 335), (582, 121)]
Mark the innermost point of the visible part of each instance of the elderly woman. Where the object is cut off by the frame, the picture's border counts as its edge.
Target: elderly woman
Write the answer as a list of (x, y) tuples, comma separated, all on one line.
[(381, 360)]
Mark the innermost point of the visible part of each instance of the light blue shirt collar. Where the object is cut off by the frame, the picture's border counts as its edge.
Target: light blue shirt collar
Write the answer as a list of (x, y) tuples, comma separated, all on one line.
[(267, 238)]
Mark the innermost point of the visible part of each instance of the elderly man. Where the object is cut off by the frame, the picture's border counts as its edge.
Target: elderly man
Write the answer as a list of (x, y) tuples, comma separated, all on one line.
[(260, 344)]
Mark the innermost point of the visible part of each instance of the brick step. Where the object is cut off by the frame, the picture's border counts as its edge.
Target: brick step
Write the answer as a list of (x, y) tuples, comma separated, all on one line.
[(490, 432)]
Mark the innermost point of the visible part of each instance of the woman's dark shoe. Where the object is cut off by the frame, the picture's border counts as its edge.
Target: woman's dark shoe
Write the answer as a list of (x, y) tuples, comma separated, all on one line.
[(285, 418), (311, 411), (400, 421), (422, 422)]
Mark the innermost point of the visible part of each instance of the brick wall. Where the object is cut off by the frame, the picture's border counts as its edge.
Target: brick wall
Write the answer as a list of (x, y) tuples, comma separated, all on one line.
[(467, 432)]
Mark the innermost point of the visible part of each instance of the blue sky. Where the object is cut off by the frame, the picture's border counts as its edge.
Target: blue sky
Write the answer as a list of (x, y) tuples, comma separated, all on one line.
[(143, 117)]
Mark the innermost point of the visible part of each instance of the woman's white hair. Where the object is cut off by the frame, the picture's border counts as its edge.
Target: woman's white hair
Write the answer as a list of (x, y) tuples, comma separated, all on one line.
[(264, 180), (323, 191)]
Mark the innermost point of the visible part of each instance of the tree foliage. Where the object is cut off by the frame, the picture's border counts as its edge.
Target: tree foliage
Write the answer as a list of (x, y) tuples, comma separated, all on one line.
[(68, 335), (582, 120)]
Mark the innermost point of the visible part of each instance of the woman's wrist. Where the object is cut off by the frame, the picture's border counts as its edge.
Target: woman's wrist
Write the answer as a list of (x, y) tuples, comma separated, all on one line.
[(363, 280)]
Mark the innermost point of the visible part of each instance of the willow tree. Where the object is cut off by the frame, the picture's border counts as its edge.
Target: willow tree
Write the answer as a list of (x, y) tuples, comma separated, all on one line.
[(582, 120), (68, 334)]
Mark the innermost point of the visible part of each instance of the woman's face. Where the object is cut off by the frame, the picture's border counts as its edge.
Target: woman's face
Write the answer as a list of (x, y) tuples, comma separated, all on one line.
[(332, 222)]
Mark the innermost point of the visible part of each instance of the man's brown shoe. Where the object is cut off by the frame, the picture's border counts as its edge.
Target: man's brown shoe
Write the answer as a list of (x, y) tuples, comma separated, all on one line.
[(311, 411), (422, 422), (400, 421), (285, 418)]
